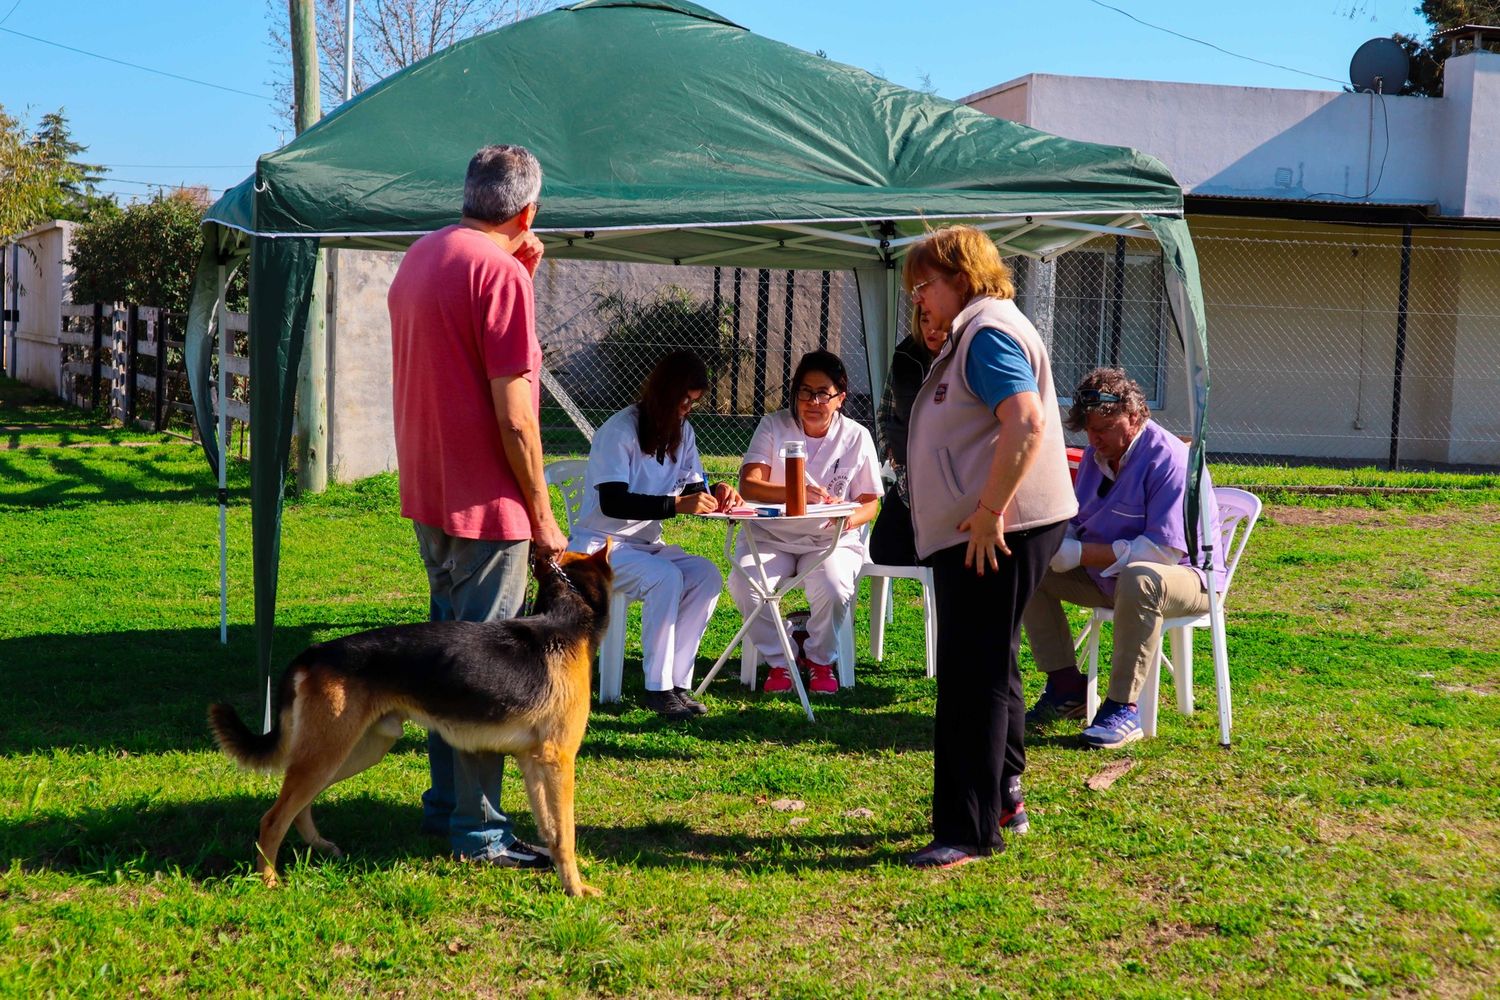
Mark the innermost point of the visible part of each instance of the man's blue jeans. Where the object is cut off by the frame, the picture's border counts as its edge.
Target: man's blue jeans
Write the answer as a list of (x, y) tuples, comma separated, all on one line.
[(471, 580)]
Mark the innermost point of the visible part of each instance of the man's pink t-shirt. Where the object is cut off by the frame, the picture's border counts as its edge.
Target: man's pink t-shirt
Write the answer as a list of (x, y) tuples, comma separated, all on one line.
[(462, 313)]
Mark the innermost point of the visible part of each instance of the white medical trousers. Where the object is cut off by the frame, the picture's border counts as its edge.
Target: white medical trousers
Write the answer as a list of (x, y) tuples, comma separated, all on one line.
[(678, 593)]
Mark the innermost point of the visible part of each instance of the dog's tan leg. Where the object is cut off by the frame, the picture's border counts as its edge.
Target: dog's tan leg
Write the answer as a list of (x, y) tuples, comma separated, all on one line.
[(304, 780), (369, 751), (546, 827), (556, 769)]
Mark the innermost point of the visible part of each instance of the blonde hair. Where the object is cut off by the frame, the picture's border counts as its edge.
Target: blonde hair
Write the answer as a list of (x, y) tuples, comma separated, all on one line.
[(961, 251)]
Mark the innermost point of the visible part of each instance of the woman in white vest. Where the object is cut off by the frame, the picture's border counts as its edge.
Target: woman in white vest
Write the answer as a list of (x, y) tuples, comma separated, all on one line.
[(841, 465), (644, 468), (990, 500)]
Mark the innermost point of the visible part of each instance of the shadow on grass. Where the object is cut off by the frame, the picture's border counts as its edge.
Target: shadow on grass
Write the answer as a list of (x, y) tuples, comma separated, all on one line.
[(143, 691), (148, 691), (214, 838), (166, 473)]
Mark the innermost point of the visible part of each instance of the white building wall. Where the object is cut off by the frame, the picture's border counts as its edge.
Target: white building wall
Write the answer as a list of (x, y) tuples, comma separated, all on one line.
[(45, 280)]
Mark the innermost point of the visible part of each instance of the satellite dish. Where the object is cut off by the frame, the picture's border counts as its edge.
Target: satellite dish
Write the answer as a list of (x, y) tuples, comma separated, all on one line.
[(1379, 66)]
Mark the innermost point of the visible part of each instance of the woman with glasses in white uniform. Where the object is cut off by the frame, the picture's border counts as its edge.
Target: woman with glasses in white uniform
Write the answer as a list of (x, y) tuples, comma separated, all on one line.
[(841, 466)]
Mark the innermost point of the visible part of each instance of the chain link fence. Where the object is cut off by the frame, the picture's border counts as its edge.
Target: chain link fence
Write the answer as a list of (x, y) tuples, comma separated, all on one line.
[(603, 326), (1327, 346)]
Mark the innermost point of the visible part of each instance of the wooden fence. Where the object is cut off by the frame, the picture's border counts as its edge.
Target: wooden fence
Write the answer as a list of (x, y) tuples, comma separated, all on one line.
[(127, 362)]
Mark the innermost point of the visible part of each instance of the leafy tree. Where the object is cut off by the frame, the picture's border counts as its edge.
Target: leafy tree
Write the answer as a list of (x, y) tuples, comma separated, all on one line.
[(40, 176), (388, 35), (1427, 56), (146, 254)]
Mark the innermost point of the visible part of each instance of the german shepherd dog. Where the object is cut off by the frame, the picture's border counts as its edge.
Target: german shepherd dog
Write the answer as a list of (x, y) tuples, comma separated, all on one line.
[(519, 687)]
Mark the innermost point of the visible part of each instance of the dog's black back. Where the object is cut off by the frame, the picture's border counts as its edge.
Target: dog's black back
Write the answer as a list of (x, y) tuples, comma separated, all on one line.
[(476, 671)]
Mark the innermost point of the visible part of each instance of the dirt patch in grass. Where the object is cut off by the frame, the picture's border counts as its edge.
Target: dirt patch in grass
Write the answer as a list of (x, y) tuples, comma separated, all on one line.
[(1340, 516)]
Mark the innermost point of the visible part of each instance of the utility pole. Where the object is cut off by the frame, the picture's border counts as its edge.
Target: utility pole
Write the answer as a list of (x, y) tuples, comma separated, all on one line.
[(312, 387)]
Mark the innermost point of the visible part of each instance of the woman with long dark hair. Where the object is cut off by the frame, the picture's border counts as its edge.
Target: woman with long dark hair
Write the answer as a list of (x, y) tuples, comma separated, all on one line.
[(643, 469)]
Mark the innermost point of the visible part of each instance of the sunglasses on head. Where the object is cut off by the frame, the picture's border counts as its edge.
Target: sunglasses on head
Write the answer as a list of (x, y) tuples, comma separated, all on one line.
[(1093, 397)]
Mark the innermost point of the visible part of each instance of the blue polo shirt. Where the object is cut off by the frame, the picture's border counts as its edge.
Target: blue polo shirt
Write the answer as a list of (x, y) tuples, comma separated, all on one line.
[(997, 368)]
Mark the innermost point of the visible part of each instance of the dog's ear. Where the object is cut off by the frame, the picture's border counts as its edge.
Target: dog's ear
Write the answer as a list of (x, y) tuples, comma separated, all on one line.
[(601, 556)]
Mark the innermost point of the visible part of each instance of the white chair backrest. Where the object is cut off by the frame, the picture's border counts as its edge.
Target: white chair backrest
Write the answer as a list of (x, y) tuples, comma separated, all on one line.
[(1238, 512), (567, 475)]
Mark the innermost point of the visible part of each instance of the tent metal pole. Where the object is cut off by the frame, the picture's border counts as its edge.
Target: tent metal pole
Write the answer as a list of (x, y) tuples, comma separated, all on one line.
[(220, 316)]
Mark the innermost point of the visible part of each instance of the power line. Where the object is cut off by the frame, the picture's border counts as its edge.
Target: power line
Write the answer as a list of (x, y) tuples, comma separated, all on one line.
[(10, 12), (161, 184), (1216, 48), (143, 69)]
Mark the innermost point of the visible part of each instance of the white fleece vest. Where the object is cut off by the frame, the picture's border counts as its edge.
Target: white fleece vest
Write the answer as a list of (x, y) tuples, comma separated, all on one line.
[(953, 435)]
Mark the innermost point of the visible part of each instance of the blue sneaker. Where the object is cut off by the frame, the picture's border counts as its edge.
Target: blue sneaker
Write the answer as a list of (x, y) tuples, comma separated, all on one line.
[(1050, 707), (1114, 726)]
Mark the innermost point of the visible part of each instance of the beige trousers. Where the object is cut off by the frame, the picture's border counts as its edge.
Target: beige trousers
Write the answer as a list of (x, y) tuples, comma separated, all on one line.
[(1145, 595)]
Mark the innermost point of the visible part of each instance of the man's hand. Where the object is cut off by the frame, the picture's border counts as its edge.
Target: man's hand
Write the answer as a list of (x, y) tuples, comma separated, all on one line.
[(547, 540), (528, 249), (696, 503)]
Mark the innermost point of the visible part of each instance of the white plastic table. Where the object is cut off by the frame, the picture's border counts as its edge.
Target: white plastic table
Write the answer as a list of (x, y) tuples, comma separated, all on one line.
[(768, 597)]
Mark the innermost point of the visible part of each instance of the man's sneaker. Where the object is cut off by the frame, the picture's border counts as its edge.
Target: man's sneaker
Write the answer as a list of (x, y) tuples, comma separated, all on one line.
[(1013, 808), (777, 679), (1114, 726), (821, 678), (1051, 707), (685, 695), (667, 705), (516, 854), (936, 855)]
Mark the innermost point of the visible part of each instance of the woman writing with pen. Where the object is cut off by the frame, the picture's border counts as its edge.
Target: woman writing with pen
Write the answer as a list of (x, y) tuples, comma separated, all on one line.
[(840, 466)]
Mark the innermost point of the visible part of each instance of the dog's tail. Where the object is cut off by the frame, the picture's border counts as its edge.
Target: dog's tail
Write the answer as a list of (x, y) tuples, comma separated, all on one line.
[(256, 751)]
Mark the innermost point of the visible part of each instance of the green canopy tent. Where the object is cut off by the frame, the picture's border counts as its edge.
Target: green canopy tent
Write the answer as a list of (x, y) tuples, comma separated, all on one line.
[(667, 134)]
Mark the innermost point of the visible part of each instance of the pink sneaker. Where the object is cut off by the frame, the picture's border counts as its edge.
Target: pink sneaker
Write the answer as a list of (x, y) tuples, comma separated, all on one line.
[(821, 678), (778, 679)]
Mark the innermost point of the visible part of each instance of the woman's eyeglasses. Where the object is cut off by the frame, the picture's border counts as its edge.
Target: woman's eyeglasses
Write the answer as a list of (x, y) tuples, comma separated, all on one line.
[(806, 395), (1093, 397)]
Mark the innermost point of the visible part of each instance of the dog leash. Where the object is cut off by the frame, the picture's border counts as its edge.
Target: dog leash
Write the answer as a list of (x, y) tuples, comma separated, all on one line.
[(528, 606)]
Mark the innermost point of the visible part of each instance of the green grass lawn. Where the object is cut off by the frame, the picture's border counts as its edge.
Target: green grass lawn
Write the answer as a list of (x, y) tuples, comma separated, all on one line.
[(1347, 845)]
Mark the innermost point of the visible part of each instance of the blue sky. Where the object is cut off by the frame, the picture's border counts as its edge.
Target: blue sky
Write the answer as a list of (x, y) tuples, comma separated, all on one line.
[(152, 129)]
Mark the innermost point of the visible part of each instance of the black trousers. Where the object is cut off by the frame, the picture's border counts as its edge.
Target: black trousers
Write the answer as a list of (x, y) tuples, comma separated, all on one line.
[(980, 729), (892, 540)]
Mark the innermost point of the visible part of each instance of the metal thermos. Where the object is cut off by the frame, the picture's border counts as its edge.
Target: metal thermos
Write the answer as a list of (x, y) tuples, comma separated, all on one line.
[(795, 455)]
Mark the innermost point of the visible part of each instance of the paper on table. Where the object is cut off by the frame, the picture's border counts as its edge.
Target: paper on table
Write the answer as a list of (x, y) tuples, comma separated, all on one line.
[(844, 506)]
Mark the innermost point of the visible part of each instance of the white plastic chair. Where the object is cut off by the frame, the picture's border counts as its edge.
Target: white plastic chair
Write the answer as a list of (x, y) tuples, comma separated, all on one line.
[(1238, 510), (567, 476), (881, 609)]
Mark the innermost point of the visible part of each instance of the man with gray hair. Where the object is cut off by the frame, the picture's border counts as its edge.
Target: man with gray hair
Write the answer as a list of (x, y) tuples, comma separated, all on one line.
[(466, 370)]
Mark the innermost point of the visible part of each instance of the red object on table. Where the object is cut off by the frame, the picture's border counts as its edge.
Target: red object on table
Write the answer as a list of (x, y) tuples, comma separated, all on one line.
[(1075, 455)]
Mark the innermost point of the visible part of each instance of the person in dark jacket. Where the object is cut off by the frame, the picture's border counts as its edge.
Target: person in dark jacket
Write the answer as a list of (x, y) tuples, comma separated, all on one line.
[(891, 541)]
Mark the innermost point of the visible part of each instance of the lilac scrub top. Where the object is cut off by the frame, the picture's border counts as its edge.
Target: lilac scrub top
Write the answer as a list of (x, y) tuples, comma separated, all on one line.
[(1146, 499)]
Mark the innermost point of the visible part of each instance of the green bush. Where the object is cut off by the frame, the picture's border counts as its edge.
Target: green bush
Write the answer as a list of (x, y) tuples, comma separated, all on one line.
[(642, 330), (147, 254)]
